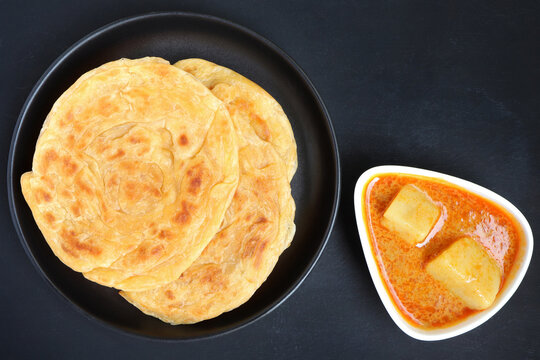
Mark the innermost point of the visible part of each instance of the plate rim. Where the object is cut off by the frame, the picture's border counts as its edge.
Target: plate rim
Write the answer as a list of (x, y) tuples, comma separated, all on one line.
[(204, 17)]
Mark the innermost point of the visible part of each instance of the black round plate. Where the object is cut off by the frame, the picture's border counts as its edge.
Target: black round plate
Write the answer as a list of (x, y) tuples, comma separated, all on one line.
[(175, 36)]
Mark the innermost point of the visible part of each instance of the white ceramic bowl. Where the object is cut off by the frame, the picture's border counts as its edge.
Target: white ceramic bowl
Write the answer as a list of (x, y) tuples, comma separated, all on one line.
[(517, 273)]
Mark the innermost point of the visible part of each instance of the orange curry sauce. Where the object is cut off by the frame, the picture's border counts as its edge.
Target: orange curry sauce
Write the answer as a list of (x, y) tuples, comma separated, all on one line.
[(422, 300)]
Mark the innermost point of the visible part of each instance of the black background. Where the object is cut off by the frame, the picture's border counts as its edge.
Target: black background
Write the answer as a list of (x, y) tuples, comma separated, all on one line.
[(444, 86)]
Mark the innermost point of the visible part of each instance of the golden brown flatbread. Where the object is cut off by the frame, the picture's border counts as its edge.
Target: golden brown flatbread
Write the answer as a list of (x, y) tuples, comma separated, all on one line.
[(258, 225), (250, 103), (133, 171)]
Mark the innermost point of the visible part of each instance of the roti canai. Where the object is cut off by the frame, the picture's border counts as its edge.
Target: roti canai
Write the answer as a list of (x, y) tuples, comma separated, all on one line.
[(133, 171), (258, 225)]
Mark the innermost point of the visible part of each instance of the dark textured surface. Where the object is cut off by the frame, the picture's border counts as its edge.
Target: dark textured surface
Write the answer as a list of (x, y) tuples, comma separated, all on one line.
[(448, 87)]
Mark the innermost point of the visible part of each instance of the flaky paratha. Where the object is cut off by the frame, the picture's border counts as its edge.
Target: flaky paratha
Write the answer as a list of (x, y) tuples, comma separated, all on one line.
[(134, 168), (258, 227), (250, 103)]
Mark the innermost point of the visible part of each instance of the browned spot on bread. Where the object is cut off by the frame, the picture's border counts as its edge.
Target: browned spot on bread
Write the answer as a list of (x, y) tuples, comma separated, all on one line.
[(261, 183), (164, 71), (70, 141), (231, 108), (127, 165), (195, 184), (260, 126), (183, 140), (105, 107), (76, 209), (254, 249), (43, 196), (117, 154), (49, 157), (135, 139), (195, 174), (249, 247), (68, 250), (103, 207), (130, 189), (240, 104), (69, 166), (47, 181), (49, 218), (154, 191), (259, 252), (246, 108), (138, 98), (165, 234), (113, 181), (147, 251), (169, 294), (69, 116), (67, 119), (137, 92), (46, 196), (136, 190), (153, 229), (184, 215), (156, 250), (102, 147), (82, 186), (212, 277), (73, 246), (143, 150), (209, 275), (261, 220), (143, 253), (77, 128)]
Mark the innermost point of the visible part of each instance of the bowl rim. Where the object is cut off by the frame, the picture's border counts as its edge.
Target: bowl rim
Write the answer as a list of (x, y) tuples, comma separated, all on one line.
[(146, 16), (474, 320)]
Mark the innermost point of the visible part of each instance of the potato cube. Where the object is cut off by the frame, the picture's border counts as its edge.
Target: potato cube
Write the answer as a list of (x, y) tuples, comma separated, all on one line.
[(411, 215), (469, 272)]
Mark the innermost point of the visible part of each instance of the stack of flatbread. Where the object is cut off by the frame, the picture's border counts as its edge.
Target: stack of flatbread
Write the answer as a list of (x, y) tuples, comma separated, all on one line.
[(168, 182)]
